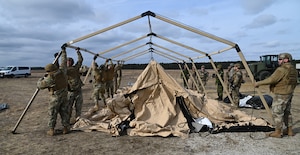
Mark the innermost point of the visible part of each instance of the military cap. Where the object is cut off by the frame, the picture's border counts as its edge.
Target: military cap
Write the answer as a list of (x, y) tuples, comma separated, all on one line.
[(50, 68), (285, 56)]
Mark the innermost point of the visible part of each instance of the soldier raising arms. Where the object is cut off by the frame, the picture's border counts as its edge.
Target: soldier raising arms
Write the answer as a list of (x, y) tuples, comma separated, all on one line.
[(99, 84), (56, 82), (74, 85)]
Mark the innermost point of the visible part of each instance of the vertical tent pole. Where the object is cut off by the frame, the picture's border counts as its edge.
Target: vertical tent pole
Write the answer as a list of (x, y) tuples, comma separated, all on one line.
[(252, 79), (31, 100)]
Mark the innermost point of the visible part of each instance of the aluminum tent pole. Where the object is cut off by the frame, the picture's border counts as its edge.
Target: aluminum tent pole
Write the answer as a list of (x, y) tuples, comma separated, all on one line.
[(135, 55), (252, 79), (30, 101), (189, 28), (214, 53), (165, 54), (85, 50), (104, 30), (127, 51), (171, 51), (132, 41), (179, 44)]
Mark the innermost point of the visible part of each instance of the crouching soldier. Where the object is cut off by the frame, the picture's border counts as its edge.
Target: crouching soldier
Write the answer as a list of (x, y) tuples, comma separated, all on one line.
[(56, 82)]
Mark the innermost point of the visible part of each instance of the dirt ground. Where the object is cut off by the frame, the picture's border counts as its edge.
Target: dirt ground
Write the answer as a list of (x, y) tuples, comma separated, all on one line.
[(31, 138)]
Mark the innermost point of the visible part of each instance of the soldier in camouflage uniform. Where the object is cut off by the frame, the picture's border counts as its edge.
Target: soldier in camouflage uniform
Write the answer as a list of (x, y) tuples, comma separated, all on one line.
[(108, 77), (235, 85), (56, 82), (203, 76), (185, 75), (219, 84), (118, 76), (74, 85), (282, 84), (99, 84), (228, 76)]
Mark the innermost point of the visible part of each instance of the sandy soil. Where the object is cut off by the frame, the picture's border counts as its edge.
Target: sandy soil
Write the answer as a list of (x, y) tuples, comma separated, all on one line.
[(31, 138)]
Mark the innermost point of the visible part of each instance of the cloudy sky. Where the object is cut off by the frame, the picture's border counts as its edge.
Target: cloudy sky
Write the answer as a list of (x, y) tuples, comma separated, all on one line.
[(33, 30)]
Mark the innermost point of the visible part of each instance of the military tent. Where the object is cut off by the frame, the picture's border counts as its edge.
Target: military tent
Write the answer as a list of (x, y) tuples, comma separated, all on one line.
[(151, 107)]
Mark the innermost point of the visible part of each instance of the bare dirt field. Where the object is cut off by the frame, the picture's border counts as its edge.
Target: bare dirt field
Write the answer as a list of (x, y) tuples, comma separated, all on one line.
[(31, 138)]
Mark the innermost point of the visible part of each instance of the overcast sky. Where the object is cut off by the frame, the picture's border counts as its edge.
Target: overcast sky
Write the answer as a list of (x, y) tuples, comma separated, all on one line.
[(33, 30)]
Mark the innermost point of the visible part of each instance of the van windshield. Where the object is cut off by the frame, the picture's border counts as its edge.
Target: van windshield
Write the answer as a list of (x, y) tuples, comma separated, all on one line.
[(7, 68)]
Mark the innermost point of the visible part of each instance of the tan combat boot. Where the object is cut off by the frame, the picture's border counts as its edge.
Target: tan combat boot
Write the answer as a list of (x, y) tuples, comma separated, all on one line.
[(66, 130), (288, 131), (50, 132), (277, 133)]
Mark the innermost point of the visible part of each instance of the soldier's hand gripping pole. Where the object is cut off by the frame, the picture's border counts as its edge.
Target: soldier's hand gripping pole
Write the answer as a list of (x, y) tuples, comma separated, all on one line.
[(33, 96)]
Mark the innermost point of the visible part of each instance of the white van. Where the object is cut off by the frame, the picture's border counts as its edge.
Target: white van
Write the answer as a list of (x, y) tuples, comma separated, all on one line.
[(15, 71)]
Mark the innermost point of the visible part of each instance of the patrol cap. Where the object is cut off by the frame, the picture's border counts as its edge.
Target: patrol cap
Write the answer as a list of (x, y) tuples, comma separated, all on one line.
[(50, 68), (202, 66), (219, 66)]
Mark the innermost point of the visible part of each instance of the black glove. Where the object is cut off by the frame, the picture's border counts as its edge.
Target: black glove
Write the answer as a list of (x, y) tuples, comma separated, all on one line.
[(95, 57), (55, 55), (63, 47)]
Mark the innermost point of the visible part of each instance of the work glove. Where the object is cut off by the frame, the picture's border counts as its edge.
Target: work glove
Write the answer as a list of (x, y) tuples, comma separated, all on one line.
[(63, 47), (95, 57), (55, 55)]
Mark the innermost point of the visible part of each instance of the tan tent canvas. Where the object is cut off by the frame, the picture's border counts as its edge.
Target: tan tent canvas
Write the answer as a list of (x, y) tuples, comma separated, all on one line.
[(153, 100)]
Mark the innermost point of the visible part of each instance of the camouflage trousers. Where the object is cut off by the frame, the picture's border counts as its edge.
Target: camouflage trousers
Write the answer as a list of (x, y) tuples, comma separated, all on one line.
[(117, 83), (59, 105), (109, 86), (235, 94), (75, 99), (220, 91), (99, 91), (281, 109)]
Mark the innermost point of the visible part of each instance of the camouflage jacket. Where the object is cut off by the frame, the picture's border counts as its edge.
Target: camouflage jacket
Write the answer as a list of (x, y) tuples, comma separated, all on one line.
[(73, 72), (237, 78), (203, 75), (56, 80), (283, 81), (221, 73)]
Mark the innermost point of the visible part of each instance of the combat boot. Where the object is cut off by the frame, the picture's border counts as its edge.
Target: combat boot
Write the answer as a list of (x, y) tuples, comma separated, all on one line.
[(66, 130), (50, 132), (288, 131), (277, 133)]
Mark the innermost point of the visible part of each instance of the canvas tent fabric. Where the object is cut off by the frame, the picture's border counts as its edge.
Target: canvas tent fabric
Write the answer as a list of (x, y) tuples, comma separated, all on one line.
[(152, 100)]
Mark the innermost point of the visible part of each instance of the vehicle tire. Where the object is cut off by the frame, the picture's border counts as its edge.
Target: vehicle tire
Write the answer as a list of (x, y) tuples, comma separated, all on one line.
[(263, 75)]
